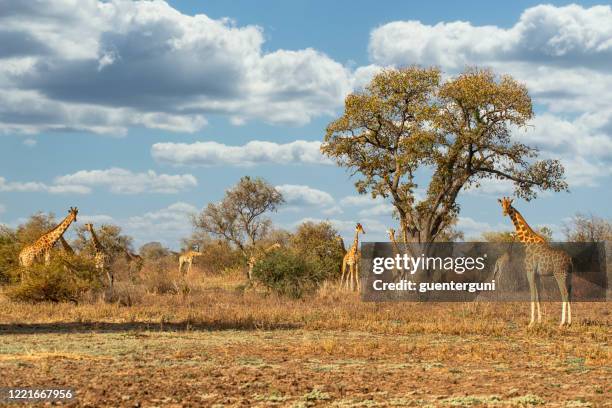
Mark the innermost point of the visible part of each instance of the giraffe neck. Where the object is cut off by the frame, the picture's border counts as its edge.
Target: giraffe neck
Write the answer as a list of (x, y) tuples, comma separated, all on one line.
[(51, 237), (355, 246), (94, 237), (524, 232), (394, 242), (66, 245)]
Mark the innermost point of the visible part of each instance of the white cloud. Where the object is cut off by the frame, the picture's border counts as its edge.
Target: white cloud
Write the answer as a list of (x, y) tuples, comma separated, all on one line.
[(2, 208), (301, 195), (373, 206), (564, 36), (124, 181), (30, 142), (105, 66), (473, 229), (34, 187), (167, 225), (253, 153), (562, 54)]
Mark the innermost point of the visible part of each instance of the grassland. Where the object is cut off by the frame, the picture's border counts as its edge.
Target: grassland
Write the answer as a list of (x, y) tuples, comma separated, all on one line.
[(222, 345)]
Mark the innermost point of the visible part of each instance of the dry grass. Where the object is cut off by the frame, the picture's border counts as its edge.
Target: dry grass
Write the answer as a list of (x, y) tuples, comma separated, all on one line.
[(222, 342)]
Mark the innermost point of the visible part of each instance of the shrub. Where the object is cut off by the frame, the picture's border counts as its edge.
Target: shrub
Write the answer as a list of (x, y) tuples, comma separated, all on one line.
[(287, 273), (64, 279), (161, 276), (320, 244), (9, 248)]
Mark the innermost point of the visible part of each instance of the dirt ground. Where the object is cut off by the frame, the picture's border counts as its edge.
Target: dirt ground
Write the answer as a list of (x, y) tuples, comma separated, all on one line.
[(223, 348)]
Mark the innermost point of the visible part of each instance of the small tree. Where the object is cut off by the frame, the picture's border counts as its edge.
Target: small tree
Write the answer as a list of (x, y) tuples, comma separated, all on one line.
[(587, 228), (239, 217), (114, 242), (458, 131), (153, 251), (319, 244)]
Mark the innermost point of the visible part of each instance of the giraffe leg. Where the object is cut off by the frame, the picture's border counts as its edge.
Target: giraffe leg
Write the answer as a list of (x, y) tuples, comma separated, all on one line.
[(561, 281), (537, 296), (343, 272), (47, 258), (532, 290)]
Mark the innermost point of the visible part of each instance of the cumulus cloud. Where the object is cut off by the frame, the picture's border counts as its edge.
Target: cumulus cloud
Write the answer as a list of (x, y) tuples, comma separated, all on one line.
[(301, 195), (124, 181), (167, 225), (563, 36), (116, 180), (563, 55), (250, 154), (35, 187), (473, 229), (111, 65)]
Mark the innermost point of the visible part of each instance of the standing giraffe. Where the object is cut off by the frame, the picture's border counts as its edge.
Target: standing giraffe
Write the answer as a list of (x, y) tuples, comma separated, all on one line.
[(259, 255), (351, 259), (543, 260), (396, 250), (187, 258), (43, 245), (100, 256)]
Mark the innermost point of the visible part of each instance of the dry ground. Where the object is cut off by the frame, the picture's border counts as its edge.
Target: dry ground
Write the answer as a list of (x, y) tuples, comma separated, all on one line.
[(221, 345)]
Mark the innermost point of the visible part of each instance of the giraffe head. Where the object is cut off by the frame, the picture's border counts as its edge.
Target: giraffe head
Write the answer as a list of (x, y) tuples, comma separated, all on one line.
[(391, 233), (359, 229), (74, 211), (506, 204)]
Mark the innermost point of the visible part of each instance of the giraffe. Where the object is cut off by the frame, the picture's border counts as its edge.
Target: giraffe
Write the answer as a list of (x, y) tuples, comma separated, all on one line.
[(351, 259), (259, 255), (134, 261), (101, 258), (396, 250), (543, 260), (43, 245), (187, 258)]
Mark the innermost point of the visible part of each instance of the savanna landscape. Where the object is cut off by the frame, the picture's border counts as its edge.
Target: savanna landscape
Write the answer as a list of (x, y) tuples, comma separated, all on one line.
[(186, 189)]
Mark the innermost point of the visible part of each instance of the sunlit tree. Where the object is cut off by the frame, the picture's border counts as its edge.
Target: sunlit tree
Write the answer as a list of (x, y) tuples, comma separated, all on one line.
[(456, 131)]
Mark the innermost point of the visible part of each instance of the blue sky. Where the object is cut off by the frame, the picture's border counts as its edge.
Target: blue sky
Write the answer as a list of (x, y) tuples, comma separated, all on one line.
[(141, 113)]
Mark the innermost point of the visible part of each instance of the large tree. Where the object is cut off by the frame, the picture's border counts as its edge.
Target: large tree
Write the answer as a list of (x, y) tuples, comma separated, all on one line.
[(239, 217), (455, 133)]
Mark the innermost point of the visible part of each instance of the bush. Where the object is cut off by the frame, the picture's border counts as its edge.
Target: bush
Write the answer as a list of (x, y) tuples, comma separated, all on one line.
[(320, 244), (64, 279), (287, 273), (9, 248), (162, 276)]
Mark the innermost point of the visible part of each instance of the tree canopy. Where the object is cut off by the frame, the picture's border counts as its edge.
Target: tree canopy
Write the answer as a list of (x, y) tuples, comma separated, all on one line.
[(456, 131), (239, 217)]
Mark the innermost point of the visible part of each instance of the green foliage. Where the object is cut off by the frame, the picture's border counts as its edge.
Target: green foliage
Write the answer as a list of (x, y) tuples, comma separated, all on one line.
[(66, 278), (319, 244), (9, 249), (287, 273)]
